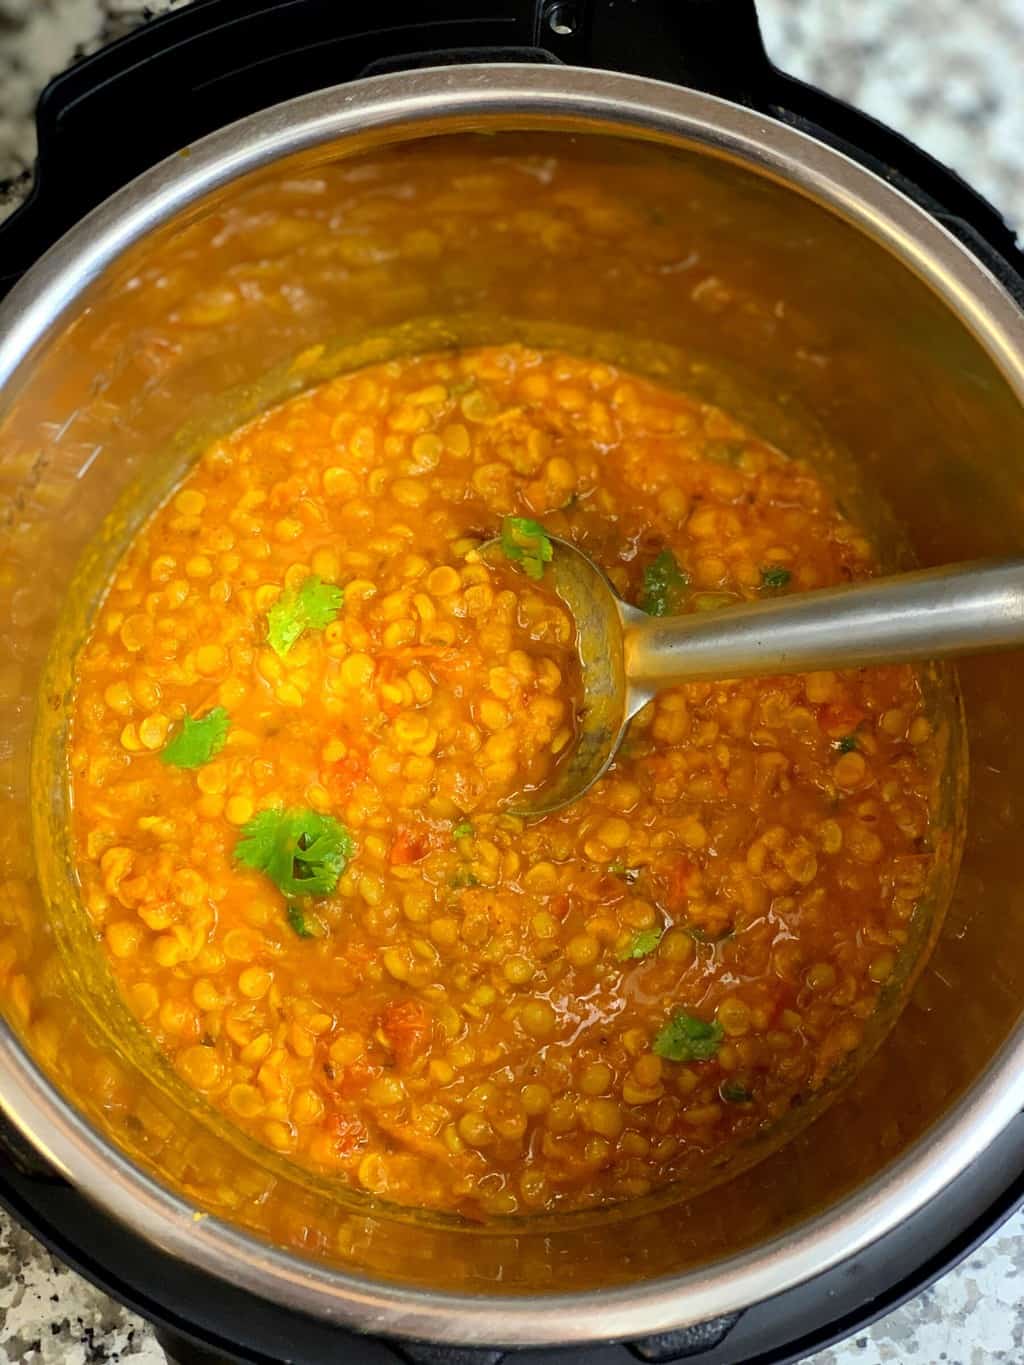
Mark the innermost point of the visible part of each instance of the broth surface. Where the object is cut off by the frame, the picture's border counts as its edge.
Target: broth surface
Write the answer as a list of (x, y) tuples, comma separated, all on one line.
[(472, 1012)]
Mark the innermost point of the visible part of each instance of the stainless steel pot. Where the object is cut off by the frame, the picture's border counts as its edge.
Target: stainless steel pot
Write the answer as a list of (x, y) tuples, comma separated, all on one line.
[(836, 301)]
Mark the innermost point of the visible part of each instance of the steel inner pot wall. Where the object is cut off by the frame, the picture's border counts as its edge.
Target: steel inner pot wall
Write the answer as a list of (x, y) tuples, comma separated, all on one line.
[(793, 279)]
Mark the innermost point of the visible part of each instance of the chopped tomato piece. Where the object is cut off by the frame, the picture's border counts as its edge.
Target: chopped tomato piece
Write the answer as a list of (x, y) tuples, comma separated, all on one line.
[(359, 954), (840, 718), (407, 1029), (347, 773), (408, 848), (352, 1080), (347, 1133), (678, 882)]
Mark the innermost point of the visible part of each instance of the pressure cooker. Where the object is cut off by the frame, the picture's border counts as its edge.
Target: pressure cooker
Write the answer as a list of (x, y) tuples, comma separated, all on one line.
[(856, 282)]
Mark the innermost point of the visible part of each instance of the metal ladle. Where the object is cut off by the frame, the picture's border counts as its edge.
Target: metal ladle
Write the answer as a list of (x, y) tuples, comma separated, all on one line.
[(627, 657)]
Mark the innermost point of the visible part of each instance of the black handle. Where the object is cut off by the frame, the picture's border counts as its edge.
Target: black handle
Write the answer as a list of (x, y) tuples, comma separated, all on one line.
[(196, 69)]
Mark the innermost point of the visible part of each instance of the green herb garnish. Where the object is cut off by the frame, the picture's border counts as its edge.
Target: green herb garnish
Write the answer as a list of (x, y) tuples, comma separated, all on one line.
[(527, 543), (847, 744), (313, 605), (643, 944), (463, 830), (628, 874), (664, 582), (734, 1093), (196, 741), (686, 1038), (298, 922), (775, 576), (463, 878), (301, 851)]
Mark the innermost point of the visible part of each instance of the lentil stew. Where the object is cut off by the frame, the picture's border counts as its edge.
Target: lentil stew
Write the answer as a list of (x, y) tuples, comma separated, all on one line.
[(305, 701)]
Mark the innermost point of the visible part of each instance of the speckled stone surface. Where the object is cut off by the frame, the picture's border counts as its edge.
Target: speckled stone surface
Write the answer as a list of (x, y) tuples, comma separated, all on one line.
[(946, 72)]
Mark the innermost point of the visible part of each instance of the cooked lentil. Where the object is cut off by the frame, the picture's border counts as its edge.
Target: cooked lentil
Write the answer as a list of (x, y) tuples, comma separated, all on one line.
[(485, 1015)]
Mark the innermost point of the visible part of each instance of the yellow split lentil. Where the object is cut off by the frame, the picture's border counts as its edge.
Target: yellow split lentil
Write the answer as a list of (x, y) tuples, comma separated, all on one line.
[(489, 1015)]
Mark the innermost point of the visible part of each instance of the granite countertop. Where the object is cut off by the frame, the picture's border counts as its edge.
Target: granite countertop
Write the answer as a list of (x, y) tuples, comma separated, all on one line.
[(946, 73)]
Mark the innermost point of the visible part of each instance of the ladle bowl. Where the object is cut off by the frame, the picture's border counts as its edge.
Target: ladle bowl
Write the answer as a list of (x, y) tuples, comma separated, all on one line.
[(626, 657)]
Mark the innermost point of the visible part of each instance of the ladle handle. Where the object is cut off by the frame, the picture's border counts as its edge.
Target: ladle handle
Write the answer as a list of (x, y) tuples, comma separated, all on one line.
[(935, 613)]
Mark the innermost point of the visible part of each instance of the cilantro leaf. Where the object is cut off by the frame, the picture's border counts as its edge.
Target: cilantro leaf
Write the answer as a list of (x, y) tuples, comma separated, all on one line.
[(463, 878), (196, 741), (847, 744), (734, 1092), (463, 830), (664, 582), (643, 944), (297, 920), (775, 576), (301, 851), (628, 874), (313, 605), (527, 543), (686, 1038)]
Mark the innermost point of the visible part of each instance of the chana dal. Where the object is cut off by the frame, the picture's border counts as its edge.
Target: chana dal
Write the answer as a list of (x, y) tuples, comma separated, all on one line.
[(301, 712)]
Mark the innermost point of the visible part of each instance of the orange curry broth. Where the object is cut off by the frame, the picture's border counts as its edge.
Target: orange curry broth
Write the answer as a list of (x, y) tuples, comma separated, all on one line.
[(465, 1027)]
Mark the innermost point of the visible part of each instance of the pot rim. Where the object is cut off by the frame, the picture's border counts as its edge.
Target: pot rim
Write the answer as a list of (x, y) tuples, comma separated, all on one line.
[(609, 103)]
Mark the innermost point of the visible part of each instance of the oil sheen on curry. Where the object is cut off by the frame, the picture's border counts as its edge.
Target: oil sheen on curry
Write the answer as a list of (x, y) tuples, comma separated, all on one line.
[(302, 710)]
